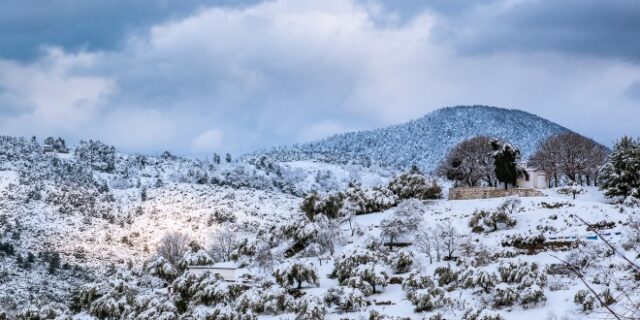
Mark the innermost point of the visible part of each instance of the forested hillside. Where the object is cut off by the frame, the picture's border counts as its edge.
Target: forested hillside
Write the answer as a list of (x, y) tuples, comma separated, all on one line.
[(424, 141)]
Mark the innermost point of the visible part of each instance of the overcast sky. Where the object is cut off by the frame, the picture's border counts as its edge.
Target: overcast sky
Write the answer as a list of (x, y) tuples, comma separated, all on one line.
[(196, 77)]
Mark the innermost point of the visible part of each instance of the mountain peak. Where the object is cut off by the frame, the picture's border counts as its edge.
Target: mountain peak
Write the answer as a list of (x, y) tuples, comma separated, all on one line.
[(425, 141)]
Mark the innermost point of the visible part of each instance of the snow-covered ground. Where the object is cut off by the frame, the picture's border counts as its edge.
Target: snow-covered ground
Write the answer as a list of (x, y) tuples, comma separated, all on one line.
[(107, 234)]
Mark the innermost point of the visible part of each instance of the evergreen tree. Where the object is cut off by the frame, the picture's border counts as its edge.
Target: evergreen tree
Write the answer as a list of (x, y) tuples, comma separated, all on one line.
[(59, 145), (505, 158), (143, 194), (216, 158), (49, 141), (227, 158), (54, 262), (620, 175)]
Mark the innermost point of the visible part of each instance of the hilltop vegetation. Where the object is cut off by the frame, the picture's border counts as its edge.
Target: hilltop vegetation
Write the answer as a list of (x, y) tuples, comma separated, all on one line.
[(426, 140)]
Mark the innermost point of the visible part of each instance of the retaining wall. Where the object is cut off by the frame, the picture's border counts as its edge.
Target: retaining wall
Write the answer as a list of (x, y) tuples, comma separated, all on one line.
[(490, 192)]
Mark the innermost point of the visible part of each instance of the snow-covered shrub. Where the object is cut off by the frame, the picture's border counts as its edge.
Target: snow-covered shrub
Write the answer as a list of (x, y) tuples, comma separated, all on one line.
[(585, 300), (416, 280), (572, 190), (346, 299), (195, 258), (493, 220), (345, 264), (328, 205), (221, 216), (267, 298), (112, 297), (310, 308), (49, 311), (532, 296), (156, 305), (606, 297), (361, 201), (524, 274), (505, 296), (428, 299), (116, 303), (445, 276), (525, 242), (358, 283), (163, 269), (205, 289), (422, 292), (372, 274), (291, 273), (485, 281), (413, 184), (217, 312), (401, 261), (480, 314)]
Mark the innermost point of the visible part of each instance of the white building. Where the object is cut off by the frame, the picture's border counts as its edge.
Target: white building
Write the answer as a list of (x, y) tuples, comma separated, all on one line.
[(227, 270), (534, 179)]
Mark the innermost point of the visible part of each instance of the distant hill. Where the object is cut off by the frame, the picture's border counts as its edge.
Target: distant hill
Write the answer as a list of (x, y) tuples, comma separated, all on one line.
[(426, 140)]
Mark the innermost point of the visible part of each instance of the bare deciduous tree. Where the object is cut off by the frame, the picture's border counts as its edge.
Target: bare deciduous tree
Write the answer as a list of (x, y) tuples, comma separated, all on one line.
[(222, 245), (173, 246), (470, 163), (570, 155), (424, 243), (449, 236)]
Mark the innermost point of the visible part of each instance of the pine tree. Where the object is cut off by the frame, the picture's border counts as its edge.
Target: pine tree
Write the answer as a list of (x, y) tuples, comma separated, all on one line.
[(54, 262), (506, 166), (227, 158), (620, 175)]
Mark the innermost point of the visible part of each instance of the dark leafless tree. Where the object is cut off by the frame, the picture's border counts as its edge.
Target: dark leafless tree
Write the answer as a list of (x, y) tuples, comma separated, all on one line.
[(569, 155), (470, 163), (173, 246)]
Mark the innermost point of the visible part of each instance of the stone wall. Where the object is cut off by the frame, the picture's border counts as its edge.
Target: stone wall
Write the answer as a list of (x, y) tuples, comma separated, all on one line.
[(490, 192)]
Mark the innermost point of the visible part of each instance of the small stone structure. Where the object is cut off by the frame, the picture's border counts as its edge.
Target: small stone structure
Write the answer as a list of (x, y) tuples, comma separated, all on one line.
[(469, 193)]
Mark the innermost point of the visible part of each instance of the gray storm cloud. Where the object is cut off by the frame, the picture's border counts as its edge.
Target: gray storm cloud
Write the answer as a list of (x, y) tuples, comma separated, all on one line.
[(199, 79)]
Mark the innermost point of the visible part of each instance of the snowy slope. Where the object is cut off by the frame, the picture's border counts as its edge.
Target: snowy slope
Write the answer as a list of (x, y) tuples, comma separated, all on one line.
[(426, 140), (105, 226)]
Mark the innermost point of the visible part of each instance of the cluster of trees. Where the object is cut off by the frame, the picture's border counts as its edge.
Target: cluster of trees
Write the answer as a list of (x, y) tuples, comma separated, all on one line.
[(100, 156), (57, 145), (571, 156), (482, 161), (567, 157)]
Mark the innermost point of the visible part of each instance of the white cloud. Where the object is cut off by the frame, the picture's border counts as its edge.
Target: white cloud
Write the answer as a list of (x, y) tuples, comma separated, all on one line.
[(285, 71), (49, 97), (208, 141)]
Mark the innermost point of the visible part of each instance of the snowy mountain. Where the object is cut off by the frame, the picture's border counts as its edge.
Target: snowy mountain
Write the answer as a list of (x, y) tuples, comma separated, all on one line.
[(426, 140)]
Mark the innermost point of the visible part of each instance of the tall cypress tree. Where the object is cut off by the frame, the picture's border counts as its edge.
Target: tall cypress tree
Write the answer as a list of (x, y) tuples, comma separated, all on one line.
[(505, 158)]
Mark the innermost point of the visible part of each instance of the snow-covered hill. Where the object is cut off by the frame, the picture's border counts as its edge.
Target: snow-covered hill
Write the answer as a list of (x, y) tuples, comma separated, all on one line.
[(426, 140), (82, 236)]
